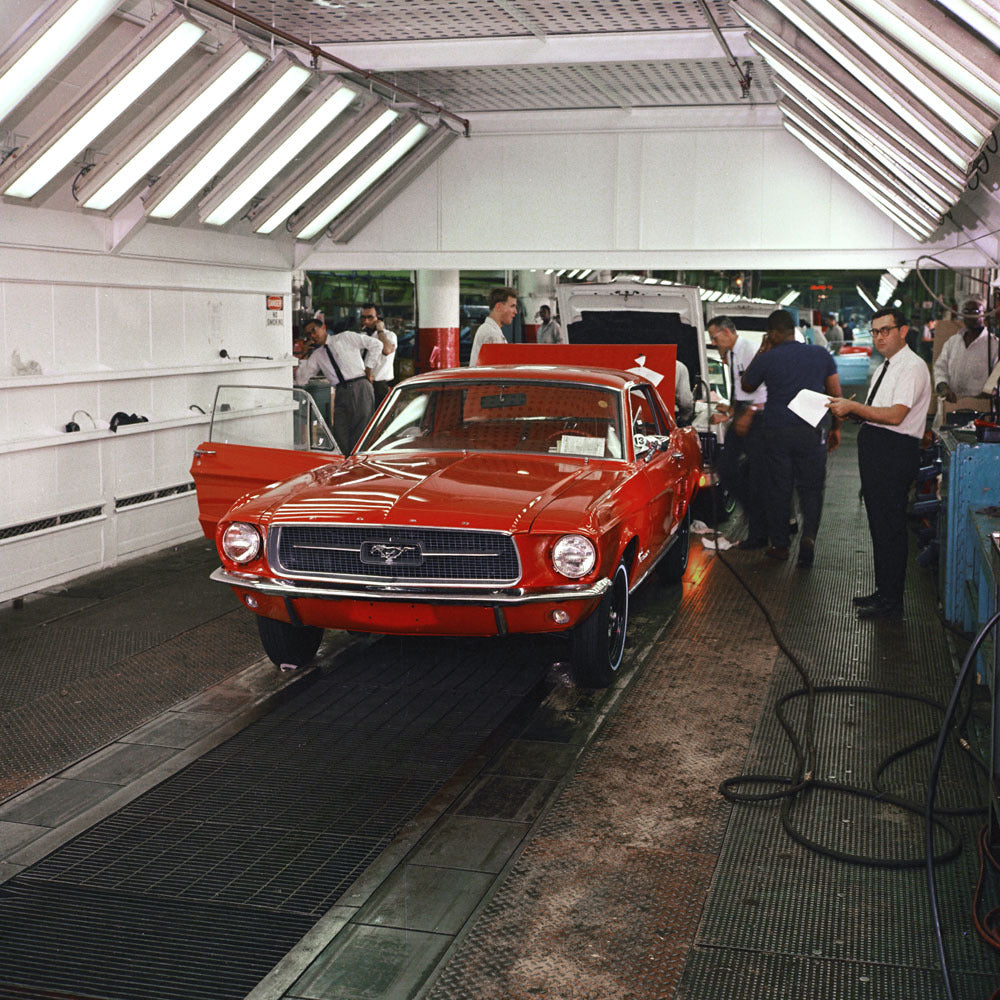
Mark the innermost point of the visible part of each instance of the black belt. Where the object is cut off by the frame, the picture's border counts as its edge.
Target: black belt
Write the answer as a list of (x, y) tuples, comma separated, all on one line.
[(348, 381)]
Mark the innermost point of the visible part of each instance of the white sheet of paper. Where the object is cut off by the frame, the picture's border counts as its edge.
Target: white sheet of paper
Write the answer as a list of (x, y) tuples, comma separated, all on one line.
[(654, 376), (810, 405)]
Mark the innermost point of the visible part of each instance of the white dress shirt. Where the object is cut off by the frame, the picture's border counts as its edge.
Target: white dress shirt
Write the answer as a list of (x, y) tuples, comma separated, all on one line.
[(383, 369), (552, 333), (906, 381), (353, 352), (743, 353), (489, 332), (966, 369)]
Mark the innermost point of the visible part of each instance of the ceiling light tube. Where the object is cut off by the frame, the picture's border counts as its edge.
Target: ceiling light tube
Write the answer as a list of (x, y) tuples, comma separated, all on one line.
[(958, 55), (867, 47), (872, 173), (959, 150), (866, 298), (323, 169), (814, 120), (917, 229), (112, 180), (43, 43), (154, 52), (843, 99), (314, 115), (192, 173), (363, 182), (982, 15)]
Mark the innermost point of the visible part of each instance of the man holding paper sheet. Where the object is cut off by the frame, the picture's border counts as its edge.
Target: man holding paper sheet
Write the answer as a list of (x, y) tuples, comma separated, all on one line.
[(895, 416), (795, 449)]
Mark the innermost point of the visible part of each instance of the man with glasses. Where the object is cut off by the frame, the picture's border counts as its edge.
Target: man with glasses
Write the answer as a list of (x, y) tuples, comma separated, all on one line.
[(894, 418), (371, 324), (966, 361)]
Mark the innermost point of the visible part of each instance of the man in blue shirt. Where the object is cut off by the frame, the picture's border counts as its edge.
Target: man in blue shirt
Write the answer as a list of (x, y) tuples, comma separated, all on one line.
[(795, 451)]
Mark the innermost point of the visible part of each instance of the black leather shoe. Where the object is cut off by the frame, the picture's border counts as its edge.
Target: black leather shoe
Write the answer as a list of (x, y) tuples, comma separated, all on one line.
[(888, 612), (866, 600), (752, 543)]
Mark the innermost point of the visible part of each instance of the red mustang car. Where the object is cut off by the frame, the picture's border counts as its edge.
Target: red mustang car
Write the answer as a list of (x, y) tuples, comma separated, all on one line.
[(479, 502)]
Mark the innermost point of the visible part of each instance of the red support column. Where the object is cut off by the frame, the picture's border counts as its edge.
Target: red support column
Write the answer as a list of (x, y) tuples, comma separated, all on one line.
[(437, 347)]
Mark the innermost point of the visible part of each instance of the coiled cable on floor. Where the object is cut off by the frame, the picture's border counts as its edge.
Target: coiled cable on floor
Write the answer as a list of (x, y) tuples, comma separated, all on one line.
[(929, 820)]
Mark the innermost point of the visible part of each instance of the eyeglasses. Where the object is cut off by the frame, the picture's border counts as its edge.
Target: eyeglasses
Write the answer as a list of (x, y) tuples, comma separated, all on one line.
[(884, 329)]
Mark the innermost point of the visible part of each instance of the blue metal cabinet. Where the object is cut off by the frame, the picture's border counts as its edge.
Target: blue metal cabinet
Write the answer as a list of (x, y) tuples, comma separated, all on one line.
[(970, 481)]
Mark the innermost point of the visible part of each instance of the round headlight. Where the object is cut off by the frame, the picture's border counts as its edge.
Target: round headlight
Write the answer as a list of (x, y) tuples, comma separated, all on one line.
[(574, 556), (241, 542)]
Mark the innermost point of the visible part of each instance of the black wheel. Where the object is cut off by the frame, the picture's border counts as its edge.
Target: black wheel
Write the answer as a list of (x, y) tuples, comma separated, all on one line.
[(671, 567), (286, 643), (599, 641)]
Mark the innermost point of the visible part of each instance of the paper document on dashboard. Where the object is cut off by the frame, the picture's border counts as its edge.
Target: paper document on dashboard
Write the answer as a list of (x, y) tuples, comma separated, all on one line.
[(810, 405)]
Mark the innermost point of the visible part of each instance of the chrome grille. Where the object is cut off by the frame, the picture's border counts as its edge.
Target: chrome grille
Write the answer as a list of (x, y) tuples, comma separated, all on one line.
[(394, 553)]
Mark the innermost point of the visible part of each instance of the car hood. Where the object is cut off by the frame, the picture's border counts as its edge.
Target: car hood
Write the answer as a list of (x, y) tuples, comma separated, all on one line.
[(499, 492)]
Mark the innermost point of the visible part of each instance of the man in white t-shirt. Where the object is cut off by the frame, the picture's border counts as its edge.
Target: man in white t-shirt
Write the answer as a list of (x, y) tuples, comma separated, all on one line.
[(894, 419), (550, 331), (967, 357), (382, 375), (503, 309)]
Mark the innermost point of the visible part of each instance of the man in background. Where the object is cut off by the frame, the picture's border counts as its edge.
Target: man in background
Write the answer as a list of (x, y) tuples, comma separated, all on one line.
[(795, 450), (503, 309), (550, 332), (347, 361), (382, 375), (967, 357)]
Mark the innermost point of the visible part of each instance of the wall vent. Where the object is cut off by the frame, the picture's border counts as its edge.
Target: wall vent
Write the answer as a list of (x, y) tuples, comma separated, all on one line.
[(148, 497), (45, 523)]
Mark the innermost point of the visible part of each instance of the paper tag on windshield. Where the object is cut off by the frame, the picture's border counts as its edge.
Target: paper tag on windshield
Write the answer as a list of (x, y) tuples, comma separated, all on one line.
[(655, 377)]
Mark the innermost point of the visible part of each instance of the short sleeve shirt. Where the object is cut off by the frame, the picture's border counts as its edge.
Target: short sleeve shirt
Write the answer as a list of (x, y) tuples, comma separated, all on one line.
[(785, 369)]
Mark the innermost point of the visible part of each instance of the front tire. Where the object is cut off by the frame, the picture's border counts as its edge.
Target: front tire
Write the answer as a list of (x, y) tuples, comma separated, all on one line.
[(599, 641), (284, 643)]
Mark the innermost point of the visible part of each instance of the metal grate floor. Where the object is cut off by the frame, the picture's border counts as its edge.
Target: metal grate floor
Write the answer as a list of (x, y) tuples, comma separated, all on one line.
[(236, 856)]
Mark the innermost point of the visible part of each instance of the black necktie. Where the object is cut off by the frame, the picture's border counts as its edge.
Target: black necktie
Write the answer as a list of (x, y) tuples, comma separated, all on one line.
[(333, 361), (732, 375), (878, 382)]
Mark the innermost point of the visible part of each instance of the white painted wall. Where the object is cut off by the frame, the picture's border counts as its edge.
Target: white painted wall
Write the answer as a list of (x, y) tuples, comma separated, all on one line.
[(141, 332), (684, 189)]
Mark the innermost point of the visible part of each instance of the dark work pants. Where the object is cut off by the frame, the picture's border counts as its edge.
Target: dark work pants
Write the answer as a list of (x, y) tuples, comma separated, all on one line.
[(888, 464), (743, 472), (353, 405), (796, 459), (381, 388)]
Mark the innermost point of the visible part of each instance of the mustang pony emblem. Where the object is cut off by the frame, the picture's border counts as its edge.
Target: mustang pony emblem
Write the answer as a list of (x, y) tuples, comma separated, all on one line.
[(391, 553)]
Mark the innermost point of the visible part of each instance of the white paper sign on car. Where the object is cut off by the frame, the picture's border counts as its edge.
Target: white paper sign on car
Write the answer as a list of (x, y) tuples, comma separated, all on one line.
[(654, 376)]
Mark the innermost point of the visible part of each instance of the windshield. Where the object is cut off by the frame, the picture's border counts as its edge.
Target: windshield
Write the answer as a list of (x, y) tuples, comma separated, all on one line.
[(527, 417)]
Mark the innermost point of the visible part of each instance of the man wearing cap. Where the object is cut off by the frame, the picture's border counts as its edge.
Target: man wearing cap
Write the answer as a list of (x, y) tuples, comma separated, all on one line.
[(967, 357)]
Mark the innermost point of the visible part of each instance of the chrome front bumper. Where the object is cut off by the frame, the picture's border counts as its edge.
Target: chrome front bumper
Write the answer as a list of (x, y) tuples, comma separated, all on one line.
[(409, 595)]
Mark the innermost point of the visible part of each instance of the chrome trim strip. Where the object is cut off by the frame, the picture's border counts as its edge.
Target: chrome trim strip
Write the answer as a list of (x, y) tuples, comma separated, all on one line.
[(408, 595)]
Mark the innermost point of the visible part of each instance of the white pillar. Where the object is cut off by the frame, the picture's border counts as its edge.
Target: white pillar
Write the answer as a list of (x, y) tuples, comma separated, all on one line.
[(437, 320)]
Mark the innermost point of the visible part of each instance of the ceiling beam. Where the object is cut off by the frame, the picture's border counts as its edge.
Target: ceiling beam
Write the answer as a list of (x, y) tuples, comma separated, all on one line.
[(603, 47)]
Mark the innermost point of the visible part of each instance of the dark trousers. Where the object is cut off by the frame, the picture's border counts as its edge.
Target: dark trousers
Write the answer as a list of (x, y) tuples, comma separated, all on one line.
[(381, 388), (743, 473), (353, 405), (796, 459), (888, 464)]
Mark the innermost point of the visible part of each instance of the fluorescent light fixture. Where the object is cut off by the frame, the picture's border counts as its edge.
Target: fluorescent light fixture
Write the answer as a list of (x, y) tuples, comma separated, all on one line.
[(949, 104), (583, 274), (573, 273), (154, 52), (982, 15), (958, 55), (310, 119), (845, 143), (189, 176), (867, 73), (787, 299), (559, 274), (306, 186), (917, 229), (650, 281), (43, 43), (844, 101), (866, 298), (228, 70), (382, 165)]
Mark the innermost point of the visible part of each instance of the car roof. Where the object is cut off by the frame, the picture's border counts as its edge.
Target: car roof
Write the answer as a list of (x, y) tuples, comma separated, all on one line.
[(609, 378)]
